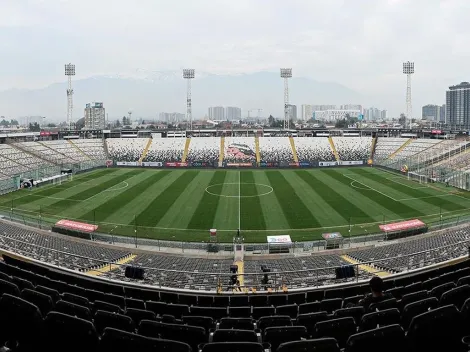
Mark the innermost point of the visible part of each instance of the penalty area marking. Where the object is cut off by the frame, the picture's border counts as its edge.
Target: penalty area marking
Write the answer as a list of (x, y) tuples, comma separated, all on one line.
[(270, 189), (110, 189)]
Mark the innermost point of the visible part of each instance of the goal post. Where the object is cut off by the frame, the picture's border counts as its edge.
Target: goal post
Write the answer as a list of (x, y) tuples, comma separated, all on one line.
[(413, 176)]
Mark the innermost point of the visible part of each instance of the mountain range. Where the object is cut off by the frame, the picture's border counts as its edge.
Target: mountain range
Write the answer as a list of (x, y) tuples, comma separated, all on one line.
[(148, 94)]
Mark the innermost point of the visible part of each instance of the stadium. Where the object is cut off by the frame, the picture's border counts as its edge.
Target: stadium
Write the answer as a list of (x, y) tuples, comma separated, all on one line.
[(235, 241)]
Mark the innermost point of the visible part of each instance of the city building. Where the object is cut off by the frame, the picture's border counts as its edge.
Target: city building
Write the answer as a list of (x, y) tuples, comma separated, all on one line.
[(292, 112), (351, 107), (374, 114), (306, 112), (216, 113), (334, 115), (172, 117), (383, 114), (95, 116), (435, 113), (458, 106), (233, 113), (323, 107)]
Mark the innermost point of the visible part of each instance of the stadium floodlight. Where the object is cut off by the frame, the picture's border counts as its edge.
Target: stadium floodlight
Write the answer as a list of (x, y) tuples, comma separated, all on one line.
[(69, 72), (286, 73), (189, 74), (408, 70)]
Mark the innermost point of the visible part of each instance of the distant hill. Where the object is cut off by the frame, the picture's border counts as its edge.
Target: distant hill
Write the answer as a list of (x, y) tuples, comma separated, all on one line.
[(149, 95)]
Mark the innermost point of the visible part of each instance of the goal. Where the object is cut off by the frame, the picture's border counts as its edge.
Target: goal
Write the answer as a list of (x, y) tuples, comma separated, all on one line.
[(413, 176)]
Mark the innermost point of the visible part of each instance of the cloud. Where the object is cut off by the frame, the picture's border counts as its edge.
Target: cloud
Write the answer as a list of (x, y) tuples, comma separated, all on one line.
[(358, 43)]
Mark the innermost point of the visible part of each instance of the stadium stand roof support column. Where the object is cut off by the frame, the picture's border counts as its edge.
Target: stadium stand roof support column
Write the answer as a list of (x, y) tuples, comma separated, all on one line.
[(186, 150), (367, 268), (372, 148), (333, 148), (146, 150), (221, 152), (78, 149), (294, 152), (401, 148), (258, 157)]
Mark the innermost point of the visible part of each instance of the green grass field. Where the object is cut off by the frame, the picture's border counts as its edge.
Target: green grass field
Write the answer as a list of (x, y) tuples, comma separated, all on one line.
[(185, 204)]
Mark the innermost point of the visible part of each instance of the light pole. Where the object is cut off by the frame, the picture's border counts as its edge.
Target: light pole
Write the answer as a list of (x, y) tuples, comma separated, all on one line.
[(189, 74), (408, 70), (69, 72), (286, 73)]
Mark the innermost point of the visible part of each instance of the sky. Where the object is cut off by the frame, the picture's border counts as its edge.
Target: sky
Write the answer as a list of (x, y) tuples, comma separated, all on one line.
[(358, 43)]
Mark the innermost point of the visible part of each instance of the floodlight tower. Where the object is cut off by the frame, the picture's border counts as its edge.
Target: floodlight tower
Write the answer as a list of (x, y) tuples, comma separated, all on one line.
[(188, 74), (408, 70), (69, 72), (286, 73)]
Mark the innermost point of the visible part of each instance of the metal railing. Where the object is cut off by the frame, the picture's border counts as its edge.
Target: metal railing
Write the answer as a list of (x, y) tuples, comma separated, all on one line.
[(278, 280)]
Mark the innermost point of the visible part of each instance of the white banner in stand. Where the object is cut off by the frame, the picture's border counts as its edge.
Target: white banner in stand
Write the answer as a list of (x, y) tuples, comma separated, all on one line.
[(279, 239)]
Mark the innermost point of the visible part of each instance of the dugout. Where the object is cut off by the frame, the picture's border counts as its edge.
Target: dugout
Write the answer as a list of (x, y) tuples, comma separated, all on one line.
[(333, 240), (403, 229)]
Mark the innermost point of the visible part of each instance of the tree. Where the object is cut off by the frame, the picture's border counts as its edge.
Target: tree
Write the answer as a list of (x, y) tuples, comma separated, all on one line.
[(80, 123), (124, 121), (14, 122), (118, 123), (150, 127), (34, 127), (4, 123), (51, 125), (402, 119)]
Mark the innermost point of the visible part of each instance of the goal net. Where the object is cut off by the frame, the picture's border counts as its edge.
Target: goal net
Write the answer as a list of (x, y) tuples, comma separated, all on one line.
[(413, 176)]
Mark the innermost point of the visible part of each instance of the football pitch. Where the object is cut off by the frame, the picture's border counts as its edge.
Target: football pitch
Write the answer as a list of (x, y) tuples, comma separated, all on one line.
[(183, 205)]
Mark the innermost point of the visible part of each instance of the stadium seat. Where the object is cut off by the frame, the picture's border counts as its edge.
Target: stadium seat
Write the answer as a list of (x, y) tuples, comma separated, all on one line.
[(311, 307), (192, 335), (278, 335), (139, 314), (275, 320), (239, 301), (296, 298), (178, 310), (316, 345), (234, 335), (54, 294), (463, 281), (215, 313), (439, 290), (330, 305), (67, 333), (438, 330), (340, 329), (277, 300), (22, 283), (10, 288), (456, 296), (40, 300), (290, 310), (233, 347), (114, 340), (204, 322), (134, 303), (236, 323), (416, 308), (72, 298), (159, 308), (412, 297), (354, 300), (381, 318), (21, 324), (108, 307), (187, 300), (386, 304), (310, 320), (239, 312), (355, 312), (259, 312), (73, 310), (104, 319), (384, 339)]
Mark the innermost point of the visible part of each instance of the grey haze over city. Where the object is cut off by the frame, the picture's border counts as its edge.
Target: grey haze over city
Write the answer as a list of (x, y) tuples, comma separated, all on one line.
[(130, 54)]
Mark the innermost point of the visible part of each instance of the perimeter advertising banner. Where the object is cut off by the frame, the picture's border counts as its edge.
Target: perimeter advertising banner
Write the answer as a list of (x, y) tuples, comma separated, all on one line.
[(268, 164), (239, 164), (201, 164), (176, 164), (327, 163), (126, 163), (402, 225), (152, 163), (352, 162)]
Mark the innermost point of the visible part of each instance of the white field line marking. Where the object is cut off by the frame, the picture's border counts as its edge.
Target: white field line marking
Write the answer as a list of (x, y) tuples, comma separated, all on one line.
[(108, 190), (404, 184), (417, 198), (373, 189), (56, 198)]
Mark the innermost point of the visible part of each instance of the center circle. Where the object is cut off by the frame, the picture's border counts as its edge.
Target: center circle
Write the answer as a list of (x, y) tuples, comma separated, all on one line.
[(237, 190)]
